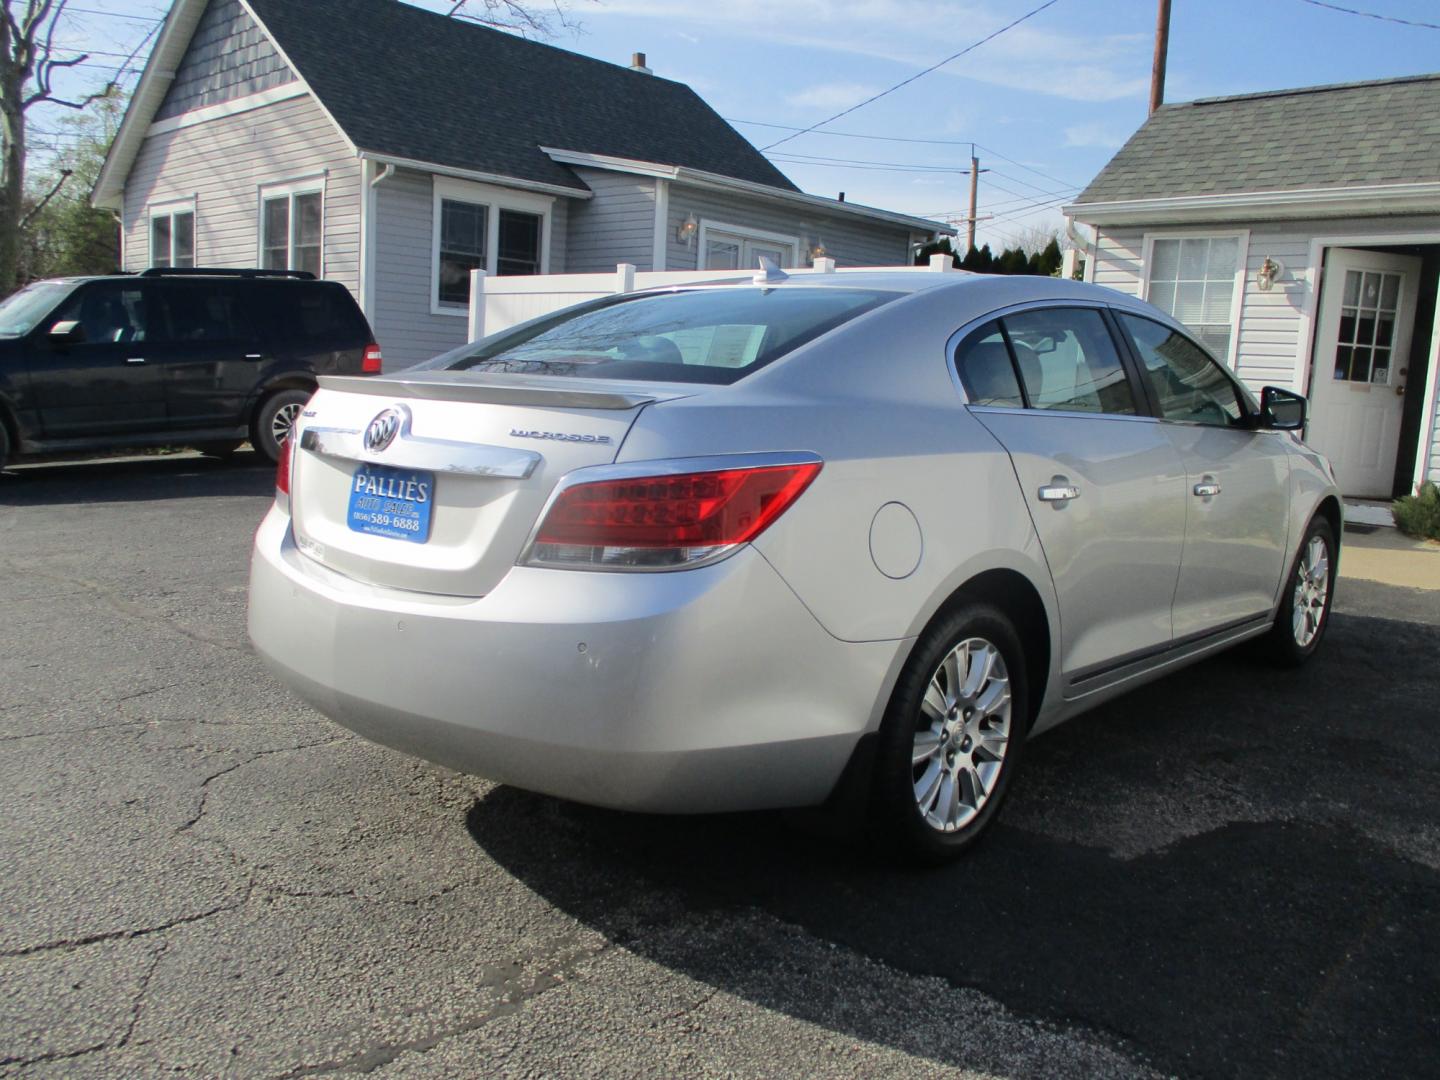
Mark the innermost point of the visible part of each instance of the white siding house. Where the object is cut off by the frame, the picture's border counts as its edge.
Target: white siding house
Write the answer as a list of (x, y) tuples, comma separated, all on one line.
[(1297, 233), (260, 137)]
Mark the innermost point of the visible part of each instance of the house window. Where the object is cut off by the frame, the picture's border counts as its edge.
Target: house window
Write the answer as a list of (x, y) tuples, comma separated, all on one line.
[(478, 227), (1198, 279), (734, 247), (172, 236), (463, 229), (292, 229)]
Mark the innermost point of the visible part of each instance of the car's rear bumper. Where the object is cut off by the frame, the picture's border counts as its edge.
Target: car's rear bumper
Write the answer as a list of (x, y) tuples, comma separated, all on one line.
[(695, 691)]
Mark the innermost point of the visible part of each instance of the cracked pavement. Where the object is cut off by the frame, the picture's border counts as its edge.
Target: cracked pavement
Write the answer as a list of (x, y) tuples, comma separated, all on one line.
[(1230, 872)]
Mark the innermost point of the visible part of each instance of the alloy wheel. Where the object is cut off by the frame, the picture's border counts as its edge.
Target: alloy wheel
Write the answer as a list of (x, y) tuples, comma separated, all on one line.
[(962, 735), (1312, 591), (283, 422)]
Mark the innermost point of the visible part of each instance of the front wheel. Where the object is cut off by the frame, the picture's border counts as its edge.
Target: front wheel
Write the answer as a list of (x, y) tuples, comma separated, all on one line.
[(1304, 612), (275, 420), (4, 446), (952, 736)]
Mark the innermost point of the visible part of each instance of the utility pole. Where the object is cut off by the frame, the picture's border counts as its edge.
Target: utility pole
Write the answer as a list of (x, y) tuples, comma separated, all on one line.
[(974, 191), (1162, 48)]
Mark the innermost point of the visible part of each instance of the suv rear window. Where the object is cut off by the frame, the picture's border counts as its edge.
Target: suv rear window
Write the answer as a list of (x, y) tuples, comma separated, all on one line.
[(706, 336)]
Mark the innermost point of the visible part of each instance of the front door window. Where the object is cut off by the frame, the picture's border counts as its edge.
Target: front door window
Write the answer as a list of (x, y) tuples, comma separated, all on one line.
[(1368, 314)]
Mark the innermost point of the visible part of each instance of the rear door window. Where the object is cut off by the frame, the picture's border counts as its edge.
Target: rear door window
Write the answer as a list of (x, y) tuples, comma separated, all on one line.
[(701, 335), (1068, 361), (204, 313)]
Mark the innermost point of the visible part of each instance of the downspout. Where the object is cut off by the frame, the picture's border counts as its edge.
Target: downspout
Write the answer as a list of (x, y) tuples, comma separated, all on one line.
[(367, 240), (1090, 246)]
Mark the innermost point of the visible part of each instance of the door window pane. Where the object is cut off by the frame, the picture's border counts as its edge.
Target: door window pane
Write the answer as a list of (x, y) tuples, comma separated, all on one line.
[(1188, 385), (107, 314), (1068, 361), (519, 244), (275, 254), (1193, 279), (1366, 331), (160, 240), (983, 360), (721, 254), (462, 248), (183, 239), (200, 313), (307, 215)]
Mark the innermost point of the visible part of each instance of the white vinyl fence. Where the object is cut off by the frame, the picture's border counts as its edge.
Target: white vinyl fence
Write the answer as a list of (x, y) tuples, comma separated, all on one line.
[(498, 303)]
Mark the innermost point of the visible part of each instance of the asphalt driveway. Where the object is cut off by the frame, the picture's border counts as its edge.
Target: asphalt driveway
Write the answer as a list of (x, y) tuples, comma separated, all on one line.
[(1232, 872)]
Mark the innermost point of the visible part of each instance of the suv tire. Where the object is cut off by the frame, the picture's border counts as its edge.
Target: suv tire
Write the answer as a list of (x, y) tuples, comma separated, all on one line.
[(952, 736), (274, 420), (4, 445)]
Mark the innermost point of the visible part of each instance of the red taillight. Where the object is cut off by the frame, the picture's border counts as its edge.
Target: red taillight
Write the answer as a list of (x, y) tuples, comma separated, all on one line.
[(372, 361), (659, 522), (282, 476)]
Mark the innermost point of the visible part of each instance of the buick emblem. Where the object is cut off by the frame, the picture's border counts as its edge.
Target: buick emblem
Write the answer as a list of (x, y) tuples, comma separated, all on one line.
[(383, 429)]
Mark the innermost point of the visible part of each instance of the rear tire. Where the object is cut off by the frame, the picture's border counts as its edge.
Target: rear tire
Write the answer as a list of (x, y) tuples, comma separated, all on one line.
[(1305, 599), (952, 736), (274, 421), (4, 446)]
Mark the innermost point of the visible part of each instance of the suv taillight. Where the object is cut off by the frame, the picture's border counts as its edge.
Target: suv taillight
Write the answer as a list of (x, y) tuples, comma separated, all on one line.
[(282, 477), (372, 361), (665, 522)]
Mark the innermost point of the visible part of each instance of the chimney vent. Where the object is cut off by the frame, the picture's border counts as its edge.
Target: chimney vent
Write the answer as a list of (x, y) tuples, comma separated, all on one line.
[(842, 196), (637, 63)]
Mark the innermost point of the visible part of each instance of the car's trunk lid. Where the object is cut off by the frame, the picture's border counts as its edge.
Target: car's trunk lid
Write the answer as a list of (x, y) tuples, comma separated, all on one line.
[(448, 501)]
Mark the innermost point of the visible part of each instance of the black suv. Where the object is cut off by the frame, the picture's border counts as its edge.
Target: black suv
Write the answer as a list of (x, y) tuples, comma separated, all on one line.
[(192, 357)]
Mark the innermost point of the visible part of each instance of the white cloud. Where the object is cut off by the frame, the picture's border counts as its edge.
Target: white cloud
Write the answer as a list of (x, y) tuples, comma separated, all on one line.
[(837, 95), (1098, 135)]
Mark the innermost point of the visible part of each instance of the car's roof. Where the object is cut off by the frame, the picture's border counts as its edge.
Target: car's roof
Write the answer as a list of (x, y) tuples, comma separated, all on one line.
[(999, 290)]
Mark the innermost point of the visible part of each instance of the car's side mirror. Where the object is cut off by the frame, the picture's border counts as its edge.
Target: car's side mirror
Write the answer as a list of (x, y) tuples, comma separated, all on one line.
[(67, 332), (1281, 409)]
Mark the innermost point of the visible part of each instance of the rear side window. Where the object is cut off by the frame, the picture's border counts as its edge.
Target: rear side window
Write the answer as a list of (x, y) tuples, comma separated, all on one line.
[(1046, 358), (315, 314), (705, 336), (203, 313), (1068, 361), (983, 361)]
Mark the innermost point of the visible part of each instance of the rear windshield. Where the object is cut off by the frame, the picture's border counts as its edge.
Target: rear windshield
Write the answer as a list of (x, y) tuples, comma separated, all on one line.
[(705, 336)]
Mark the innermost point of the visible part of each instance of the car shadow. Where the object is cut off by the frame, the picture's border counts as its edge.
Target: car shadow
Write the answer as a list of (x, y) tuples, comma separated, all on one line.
[(1271, 934), (147, 478)]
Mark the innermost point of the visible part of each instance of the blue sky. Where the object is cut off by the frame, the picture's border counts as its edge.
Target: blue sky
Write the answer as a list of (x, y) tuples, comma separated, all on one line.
[(1048, 102)]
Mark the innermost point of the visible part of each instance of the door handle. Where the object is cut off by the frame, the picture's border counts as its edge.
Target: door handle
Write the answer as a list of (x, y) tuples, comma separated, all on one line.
[(252, 356), (1059, 490), (135, 359), (1207, 487)]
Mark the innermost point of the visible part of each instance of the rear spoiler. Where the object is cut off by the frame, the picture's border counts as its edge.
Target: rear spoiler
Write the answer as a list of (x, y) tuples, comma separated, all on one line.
[(452, 386)]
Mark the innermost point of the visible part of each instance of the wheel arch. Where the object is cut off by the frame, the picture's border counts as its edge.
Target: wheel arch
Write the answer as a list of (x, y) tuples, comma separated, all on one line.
[(1329, 509), (1016, 595), (291, 381)]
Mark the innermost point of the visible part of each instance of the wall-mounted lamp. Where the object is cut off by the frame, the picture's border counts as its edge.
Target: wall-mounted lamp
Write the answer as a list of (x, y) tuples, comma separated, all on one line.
[(818, 251), (1268, 272), (687, 230)]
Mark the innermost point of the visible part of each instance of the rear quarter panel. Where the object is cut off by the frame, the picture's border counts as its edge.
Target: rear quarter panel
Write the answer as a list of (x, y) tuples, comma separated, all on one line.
[(876, 401)]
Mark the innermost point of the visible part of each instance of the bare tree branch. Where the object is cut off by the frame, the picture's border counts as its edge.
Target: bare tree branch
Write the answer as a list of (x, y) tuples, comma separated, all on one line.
[(35, 210)]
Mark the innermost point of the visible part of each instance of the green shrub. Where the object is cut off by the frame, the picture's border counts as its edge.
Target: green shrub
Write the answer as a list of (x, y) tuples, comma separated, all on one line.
[(1419, 514)]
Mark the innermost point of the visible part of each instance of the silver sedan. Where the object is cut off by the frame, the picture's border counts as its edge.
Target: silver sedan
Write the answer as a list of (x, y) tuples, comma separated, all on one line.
[(843, 539)]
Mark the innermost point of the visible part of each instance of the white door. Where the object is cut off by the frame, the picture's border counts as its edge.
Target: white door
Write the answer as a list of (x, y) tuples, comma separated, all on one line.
[(1362, 350)]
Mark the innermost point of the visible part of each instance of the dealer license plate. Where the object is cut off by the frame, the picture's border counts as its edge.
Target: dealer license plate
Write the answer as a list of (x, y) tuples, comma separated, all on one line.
[(392, 502)]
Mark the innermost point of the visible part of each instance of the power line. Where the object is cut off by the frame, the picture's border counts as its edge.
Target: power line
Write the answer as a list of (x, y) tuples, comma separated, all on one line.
[(918, 75), (115, 15), (1371, 15), (1020, 164)]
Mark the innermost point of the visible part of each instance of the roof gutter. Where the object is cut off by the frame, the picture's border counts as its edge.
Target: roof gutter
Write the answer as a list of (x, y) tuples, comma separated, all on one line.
[(715, 181), (1369, 199), (479, 177)]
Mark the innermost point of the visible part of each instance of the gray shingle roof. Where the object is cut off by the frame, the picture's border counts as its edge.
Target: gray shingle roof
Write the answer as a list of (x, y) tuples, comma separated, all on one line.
[(409, 83), (1347, 135)]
